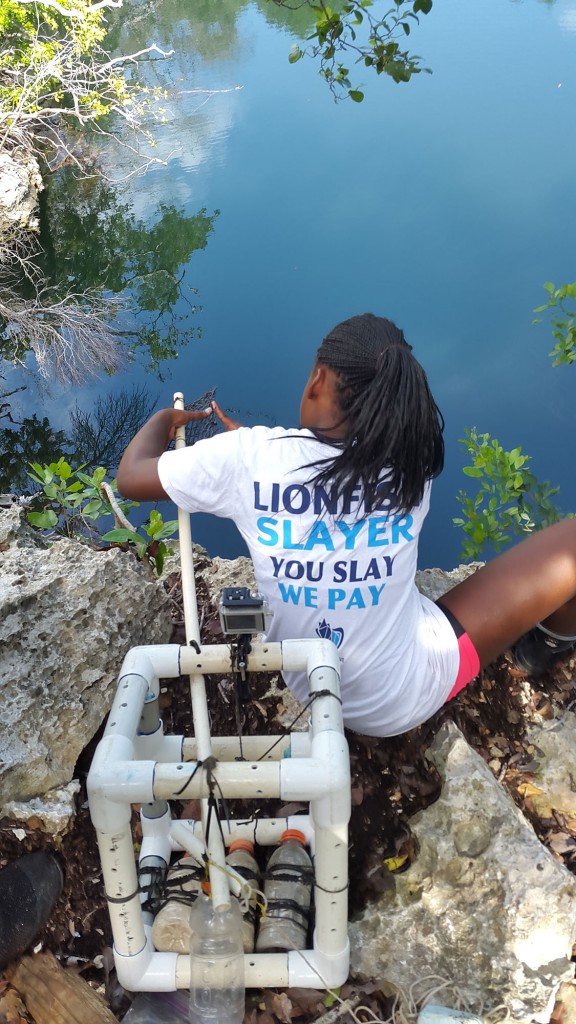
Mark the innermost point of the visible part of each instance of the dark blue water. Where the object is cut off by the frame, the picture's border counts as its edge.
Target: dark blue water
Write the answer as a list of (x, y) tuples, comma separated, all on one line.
[(444, 204)]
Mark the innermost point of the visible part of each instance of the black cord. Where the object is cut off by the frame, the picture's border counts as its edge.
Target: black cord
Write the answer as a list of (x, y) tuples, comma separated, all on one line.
[(288, 729)]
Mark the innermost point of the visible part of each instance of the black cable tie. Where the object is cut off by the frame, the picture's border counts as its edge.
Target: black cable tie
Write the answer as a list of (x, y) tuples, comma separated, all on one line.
[(343, 888), (121, 899), (287, 873), (275, 908), (323, 693), (286, 732), (195, 645), (189, 779)]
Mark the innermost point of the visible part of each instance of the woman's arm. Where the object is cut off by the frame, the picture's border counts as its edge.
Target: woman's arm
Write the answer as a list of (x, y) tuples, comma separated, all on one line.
[(137, 476), (138, 470)]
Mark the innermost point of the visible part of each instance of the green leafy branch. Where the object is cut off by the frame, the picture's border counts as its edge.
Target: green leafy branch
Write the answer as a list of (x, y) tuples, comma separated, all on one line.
[(510, 502), (52, 66), (71, 502), (150, 545), (562, 299), (354, 29)]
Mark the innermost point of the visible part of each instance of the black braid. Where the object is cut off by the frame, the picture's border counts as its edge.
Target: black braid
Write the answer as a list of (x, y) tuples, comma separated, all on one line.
[(394, 422)]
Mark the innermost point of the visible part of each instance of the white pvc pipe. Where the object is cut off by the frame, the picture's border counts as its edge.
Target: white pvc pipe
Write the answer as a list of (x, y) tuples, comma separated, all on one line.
[(186, 551), (261, 831), (317, 771), (121, 889), (126, 710), (306, 655), (159, 747), (333, 807), (148, 971), (228, 748), (312, 969), (183, 835), (261, 970), (121, 782), (176, 749), (291, 779), (156, 836), (220, 892), (302, 655), (217, 658), (331, 891), (157, 661), (164, 972), (168, 661), (234, 779), (300, 744)]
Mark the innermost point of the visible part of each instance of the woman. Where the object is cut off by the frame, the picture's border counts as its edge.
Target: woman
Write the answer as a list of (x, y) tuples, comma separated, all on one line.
[(331, 514)]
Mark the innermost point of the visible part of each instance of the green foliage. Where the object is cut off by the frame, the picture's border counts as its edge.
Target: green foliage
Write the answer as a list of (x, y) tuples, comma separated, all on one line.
[(71, 502), (563, 301), (510, 501), (354, 29), (46, 63), (93, 241), (152, 544)]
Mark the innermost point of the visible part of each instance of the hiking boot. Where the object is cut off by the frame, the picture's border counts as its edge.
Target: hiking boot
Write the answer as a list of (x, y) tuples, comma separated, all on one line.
[(537, 651), (29, 889)]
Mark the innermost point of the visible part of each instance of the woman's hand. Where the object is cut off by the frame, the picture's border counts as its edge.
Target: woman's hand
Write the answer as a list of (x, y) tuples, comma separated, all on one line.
[(138, 470), (180, 417), (226, 421)]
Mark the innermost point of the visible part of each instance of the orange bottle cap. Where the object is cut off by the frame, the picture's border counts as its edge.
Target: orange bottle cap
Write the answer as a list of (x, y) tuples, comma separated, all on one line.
[(293, 833), (241, 844)]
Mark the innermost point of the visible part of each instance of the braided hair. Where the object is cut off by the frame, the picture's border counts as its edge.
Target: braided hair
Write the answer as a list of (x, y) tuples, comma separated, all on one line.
[(394, 424)]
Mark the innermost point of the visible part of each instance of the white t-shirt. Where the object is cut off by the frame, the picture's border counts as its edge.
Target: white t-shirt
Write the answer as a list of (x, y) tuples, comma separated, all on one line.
[(328, 569)]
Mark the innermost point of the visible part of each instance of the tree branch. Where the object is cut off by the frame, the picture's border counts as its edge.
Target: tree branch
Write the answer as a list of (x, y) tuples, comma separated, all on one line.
[(80, 14)]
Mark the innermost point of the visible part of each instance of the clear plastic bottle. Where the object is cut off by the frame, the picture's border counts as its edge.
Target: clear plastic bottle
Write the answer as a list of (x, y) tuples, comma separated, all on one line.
[(241, 858), (171, 927), (158, 1008), (217, 992), (288, 891)]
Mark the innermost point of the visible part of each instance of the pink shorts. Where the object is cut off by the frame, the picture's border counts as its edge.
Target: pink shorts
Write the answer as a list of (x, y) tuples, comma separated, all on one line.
[(469, 660)]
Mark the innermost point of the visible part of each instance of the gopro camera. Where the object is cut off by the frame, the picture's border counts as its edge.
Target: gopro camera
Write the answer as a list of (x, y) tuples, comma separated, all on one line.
[(242, 611)]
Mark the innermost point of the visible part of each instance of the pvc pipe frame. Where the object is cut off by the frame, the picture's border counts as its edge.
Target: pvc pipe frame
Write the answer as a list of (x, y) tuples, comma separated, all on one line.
[(150, 768)]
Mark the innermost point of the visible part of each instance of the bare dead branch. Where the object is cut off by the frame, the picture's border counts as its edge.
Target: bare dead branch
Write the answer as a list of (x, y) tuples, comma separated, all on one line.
[(80, 13), (72, 338)]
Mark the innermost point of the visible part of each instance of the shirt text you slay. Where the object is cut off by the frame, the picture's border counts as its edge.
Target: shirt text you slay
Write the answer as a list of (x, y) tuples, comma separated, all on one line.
[(363, 531)]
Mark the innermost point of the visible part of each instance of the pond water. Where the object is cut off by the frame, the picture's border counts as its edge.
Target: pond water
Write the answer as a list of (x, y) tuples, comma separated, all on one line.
[(444, 203)]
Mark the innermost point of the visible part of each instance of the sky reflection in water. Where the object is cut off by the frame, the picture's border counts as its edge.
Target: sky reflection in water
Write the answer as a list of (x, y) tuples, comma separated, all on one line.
[(444, 204)]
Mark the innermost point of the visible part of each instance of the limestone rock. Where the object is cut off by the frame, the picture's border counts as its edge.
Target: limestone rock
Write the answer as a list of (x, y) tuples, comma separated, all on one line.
[(435, 582), (223, 572), (20, 183), (554, 783), (484, 906), (68, 615), (53, 813)]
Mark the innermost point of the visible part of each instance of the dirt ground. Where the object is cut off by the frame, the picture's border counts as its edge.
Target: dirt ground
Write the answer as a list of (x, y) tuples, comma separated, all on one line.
[(391, 780)]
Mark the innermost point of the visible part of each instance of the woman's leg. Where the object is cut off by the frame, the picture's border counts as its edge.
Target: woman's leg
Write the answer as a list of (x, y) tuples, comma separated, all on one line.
[(533, 582)]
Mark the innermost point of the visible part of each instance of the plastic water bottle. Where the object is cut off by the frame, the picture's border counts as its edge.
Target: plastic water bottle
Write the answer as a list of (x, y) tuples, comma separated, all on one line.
[(241, 858), (158, 1008), (288, 891), (217, 992), (171, 927), (434, 1013)]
